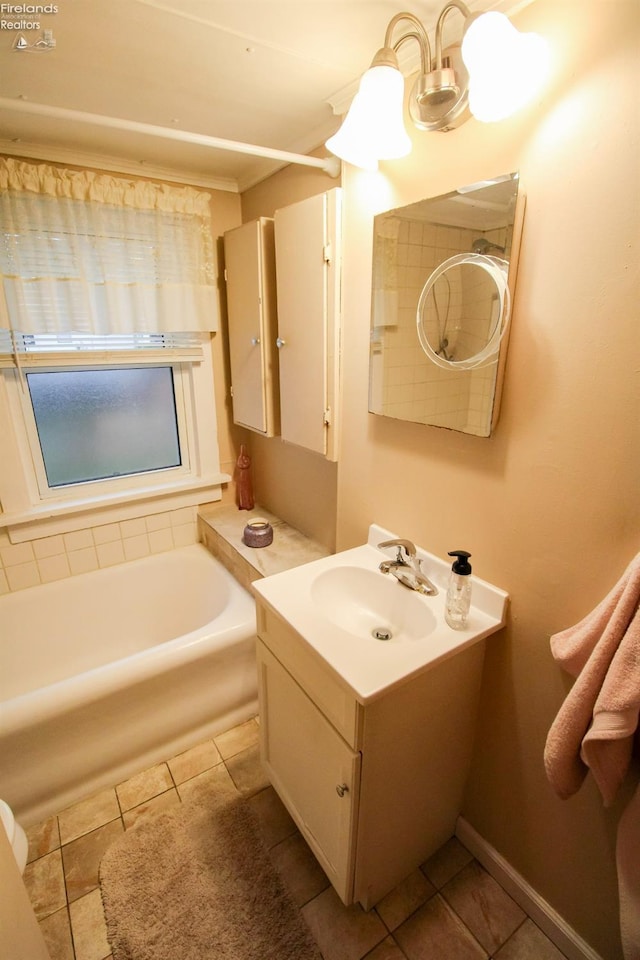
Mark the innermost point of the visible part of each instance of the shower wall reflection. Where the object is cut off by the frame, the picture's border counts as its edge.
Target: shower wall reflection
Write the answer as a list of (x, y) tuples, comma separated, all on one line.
[(409, 243)]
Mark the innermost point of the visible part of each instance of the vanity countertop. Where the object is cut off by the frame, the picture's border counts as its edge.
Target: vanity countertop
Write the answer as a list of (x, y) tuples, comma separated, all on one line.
[(337, 604)]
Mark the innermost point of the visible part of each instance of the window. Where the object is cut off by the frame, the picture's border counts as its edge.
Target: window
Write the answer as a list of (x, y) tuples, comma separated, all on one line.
[(79, 435), (104, 423), (107, 304)]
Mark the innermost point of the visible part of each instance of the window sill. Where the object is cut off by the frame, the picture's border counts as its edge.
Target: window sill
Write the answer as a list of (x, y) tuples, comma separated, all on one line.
[(47, 519)]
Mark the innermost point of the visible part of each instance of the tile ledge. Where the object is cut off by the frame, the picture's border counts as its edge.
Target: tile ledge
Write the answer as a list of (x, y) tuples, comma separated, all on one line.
[(221, 528)]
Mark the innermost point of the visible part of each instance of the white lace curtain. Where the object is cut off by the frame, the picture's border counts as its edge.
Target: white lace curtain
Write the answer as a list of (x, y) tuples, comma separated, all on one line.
[(82, 252)]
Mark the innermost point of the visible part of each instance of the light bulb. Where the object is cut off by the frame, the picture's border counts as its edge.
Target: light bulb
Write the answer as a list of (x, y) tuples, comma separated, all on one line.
[(373, 128), (506, 67)]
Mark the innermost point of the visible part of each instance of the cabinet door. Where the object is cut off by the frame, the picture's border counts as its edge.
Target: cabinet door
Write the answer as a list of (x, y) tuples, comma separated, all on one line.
[(250, 274), (307, 240), (312, 769)]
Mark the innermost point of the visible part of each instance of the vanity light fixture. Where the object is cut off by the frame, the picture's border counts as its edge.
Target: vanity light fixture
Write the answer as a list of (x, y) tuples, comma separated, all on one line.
[(491, 73)]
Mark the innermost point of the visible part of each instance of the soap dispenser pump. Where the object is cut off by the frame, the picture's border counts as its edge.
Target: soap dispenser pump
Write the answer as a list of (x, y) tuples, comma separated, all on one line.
[(459, 591)]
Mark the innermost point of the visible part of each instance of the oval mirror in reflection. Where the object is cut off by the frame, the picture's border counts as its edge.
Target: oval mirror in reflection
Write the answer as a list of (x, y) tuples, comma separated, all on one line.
[(463, 311), (410, 244)]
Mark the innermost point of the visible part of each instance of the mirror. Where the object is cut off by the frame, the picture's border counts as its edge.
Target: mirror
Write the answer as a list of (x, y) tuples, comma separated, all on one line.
[(443, 276)]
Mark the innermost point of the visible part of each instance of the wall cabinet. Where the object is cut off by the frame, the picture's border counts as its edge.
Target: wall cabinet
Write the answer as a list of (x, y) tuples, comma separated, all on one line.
[(283, 300), (249, 253), (308, 258), (375, 788)]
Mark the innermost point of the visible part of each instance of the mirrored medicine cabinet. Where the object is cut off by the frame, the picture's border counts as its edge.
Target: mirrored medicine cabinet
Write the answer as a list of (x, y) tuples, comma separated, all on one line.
[(443, 278)]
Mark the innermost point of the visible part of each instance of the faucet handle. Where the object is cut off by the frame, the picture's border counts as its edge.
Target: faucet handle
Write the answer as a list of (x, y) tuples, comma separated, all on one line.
[(406, 544)]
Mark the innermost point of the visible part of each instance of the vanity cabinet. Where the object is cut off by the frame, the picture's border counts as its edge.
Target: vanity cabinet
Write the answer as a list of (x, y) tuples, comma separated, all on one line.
[(374, 787), (249, 253), (308, 762), (308, 258)]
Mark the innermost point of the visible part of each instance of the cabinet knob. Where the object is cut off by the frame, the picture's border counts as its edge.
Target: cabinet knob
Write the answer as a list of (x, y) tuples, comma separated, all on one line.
[(280, 342), (255, 341), (341, 789)]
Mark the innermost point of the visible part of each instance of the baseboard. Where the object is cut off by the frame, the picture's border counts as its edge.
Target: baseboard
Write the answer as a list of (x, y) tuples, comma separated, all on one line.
[(549, 921)]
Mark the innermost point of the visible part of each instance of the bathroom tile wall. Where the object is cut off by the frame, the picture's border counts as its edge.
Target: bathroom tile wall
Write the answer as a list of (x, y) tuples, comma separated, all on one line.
[(413, 387), (52, 558)]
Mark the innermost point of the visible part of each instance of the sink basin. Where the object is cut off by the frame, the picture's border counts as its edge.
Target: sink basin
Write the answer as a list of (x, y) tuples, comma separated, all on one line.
[(338, 603), (368, 603)]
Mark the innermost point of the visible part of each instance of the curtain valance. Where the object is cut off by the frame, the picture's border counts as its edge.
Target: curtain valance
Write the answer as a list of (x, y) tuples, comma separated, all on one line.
[(90, 253), (101, 188)]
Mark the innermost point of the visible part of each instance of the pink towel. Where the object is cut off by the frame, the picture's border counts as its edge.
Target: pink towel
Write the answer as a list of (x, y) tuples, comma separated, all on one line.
[(595, 726)]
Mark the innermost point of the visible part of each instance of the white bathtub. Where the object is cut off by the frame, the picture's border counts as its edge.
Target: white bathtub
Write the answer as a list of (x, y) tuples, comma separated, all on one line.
[(105, 673)]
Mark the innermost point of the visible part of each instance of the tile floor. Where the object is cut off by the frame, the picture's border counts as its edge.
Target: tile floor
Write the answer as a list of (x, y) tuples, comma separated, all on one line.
[(449, 909)]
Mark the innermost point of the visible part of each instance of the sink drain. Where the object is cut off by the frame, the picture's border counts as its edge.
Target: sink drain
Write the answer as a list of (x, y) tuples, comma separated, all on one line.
[(381, 633)]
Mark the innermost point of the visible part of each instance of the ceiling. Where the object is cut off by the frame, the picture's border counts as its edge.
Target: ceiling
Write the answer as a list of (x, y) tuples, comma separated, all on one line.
[(254, 71)]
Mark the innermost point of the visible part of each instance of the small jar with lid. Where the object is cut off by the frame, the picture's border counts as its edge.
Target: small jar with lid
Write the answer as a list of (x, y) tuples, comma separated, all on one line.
[(258, 533)]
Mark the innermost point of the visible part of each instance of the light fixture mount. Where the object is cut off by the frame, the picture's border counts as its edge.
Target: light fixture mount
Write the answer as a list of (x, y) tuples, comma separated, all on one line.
[(489, 74), (439, 99)]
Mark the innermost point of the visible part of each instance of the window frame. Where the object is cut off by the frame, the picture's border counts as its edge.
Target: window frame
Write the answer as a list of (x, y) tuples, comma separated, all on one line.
[(71, 491), (24, 492)]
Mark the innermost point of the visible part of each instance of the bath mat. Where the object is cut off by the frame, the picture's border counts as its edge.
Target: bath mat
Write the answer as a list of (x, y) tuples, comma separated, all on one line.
[(197, 884)]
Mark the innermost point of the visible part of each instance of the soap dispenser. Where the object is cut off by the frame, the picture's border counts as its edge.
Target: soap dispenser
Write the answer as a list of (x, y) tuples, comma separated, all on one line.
[(458, 591)]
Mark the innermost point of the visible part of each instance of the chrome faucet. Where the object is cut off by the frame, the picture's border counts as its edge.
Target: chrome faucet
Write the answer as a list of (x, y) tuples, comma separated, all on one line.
[(407, 571)]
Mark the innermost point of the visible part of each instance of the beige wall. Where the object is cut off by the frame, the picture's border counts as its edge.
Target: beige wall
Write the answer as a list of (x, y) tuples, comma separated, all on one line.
[(294, 484), (289, 185), (549, 505)]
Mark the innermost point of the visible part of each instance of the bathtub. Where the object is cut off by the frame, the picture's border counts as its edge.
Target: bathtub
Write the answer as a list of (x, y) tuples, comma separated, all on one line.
[(105, 673)]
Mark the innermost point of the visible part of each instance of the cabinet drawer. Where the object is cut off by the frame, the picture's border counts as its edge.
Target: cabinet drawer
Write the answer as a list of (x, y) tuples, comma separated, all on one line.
[(335, 700)]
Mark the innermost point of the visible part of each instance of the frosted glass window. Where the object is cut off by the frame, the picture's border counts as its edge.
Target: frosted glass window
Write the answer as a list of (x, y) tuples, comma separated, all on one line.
[(100, 424)]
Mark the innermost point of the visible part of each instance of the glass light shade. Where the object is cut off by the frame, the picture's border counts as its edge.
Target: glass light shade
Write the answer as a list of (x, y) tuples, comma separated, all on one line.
[(373, 129), (506, 67)]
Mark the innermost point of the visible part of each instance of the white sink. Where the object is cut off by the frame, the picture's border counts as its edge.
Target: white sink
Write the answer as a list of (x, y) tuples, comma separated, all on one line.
[(338, 603), (367, 603)]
